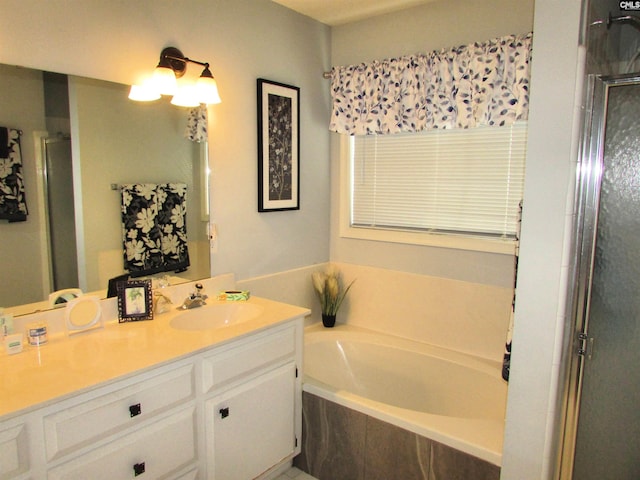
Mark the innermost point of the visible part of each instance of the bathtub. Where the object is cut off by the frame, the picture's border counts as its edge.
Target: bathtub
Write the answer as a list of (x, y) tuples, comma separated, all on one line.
[(449, 397)]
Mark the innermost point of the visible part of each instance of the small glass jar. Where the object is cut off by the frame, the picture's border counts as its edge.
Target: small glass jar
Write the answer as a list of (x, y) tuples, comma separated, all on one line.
[(37, 333)]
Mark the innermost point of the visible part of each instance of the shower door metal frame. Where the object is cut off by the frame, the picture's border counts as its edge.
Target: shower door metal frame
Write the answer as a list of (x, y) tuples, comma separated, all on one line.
[(589, 182)]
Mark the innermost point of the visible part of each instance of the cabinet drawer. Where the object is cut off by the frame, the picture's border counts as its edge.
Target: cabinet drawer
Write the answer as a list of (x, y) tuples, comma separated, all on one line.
[(14, 451), (244, 358), (87, 420), (155, 451)]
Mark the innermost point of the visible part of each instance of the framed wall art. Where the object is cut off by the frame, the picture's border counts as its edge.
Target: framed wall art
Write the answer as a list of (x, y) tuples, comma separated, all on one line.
[(135, 301), (278, 146)]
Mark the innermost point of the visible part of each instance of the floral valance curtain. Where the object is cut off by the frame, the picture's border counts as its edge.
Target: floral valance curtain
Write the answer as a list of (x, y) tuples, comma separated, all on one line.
[(478, 84)]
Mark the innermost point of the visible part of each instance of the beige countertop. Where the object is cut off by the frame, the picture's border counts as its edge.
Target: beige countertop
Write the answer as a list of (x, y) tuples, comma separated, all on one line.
[(67, 365)]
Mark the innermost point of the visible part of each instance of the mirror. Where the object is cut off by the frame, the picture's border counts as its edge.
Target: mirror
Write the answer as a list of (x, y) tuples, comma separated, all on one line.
[(82, 314), (107, 141)]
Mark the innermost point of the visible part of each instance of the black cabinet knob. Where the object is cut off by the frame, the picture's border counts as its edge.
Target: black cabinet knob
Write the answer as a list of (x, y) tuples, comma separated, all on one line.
[(138, 469), (224, 412), (135, 410)]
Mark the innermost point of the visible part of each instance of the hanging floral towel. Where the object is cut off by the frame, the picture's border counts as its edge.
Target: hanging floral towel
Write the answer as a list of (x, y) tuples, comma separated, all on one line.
[(172, 221), (154, 228), (13, 206), (197, 122), (506, 362)]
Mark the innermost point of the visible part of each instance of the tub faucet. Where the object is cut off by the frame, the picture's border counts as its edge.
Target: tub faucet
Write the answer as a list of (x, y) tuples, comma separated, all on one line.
[(195, 300)]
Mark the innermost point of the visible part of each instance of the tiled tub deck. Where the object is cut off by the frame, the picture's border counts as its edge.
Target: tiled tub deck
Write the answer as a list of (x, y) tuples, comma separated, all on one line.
[(339, 443)]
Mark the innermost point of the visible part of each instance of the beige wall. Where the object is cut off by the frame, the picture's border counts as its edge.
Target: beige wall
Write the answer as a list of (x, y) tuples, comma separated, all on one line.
[(22, 100), (461, 316), (433, 26), (419, 30)]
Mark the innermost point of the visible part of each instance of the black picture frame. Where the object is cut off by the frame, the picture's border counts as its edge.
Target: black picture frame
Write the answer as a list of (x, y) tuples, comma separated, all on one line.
[(135, 301), (278, 146)]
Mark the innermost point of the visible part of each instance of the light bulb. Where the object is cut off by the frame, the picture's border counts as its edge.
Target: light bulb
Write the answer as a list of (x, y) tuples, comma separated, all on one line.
[(186, 96), (207, 90), (164, 80), (143, 93)]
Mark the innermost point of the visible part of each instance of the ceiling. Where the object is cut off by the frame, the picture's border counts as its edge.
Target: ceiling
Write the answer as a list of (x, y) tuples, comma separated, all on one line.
[(338, 12)]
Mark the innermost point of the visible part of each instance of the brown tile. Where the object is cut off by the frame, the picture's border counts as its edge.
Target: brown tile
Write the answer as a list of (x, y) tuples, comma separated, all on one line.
[(333, 440), (450, 464), (392, 452)]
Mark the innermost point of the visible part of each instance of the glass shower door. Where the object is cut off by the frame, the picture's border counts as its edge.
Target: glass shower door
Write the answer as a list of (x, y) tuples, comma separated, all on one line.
[(61, 212), (608, 429)]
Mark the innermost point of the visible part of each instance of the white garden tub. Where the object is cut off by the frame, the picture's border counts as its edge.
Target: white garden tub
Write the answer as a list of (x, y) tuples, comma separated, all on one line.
[(447, 396)]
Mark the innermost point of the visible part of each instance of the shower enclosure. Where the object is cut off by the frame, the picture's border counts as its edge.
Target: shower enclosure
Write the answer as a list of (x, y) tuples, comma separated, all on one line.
[(60, 212), (602, 433)]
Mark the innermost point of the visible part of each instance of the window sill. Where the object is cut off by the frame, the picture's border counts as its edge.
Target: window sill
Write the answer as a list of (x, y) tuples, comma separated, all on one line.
[(441, 240)]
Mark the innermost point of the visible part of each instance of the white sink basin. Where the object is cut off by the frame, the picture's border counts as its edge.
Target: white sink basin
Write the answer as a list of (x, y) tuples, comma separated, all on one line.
[(215, 315)]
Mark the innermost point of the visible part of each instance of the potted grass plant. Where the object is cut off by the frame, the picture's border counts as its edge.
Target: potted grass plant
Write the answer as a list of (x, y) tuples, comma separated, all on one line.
[(329, 289)]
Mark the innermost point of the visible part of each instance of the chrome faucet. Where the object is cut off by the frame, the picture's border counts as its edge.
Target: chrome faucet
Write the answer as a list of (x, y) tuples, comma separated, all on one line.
[(195, 300)]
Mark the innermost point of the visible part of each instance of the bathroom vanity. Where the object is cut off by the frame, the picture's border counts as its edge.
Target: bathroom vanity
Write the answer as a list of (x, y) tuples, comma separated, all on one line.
[(149, 400)]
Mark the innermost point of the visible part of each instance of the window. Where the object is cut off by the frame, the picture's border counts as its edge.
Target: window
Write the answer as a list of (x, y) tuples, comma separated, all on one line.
[(438, 186)]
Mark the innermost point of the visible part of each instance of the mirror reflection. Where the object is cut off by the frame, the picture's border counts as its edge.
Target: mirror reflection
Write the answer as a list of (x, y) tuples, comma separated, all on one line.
[(81, 140)]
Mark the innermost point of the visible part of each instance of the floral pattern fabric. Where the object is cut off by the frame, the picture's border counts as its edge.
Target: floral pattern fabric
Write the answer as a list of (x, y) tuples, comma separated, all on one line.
[(478, 84), (197, 123), (506, 359), (154, 228), (13, 206)]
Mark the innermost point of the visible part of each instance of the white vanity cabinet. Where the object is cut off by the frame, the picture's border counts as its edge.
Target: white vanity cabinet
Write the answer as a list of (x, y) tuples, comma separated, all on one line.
[(228, 412), (252, 428), (145, 425), (253, 415), (160, 450), (14, 448), (87, 419)]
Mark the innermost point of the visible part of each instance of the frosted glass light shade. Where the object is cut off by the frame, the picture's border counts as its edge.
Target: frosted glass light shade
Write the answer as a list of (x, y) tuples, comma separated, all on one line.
[(186, 96), (143, 93), (164, 80), (207, 90)]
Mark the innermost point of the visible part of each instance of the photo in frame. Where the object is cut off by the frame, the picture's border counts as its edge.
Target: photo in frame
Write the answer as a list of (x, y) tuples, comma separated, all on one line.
[(135, 301), (278, 146)]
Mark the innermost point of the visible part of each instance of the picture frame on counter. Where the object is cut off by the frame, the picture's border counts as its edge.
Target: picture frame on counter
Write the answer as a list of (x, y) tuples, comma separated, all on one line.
[(135, 301)]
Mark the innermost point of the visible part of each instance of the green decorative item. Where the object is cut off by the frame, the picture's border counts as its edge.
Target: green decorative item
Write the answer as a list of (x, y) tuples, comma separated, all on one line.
[(327, 286)]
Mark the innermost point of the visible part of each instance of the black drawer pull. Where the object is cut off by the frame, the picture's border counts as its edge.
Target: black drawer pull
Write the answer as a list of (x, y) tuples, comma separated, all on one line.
[(138, 469), (224, 412), (135, 410)]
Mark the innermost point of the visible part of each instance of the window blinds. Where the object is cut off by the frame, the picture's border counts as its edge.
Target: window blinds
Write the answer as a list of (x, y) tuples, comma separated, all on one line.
[(466, 181)]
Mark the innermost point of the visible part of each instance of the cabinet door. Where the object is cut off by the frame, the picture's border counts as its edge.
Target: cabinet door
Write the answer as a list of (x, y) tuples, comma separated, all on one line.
[(251, 428), (14, 450)]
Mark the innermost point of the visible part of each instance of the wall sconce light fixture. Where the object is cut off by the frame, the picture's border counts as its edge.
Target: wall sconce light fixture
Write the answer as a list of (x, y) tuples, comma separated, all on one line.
[(164, 81)]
